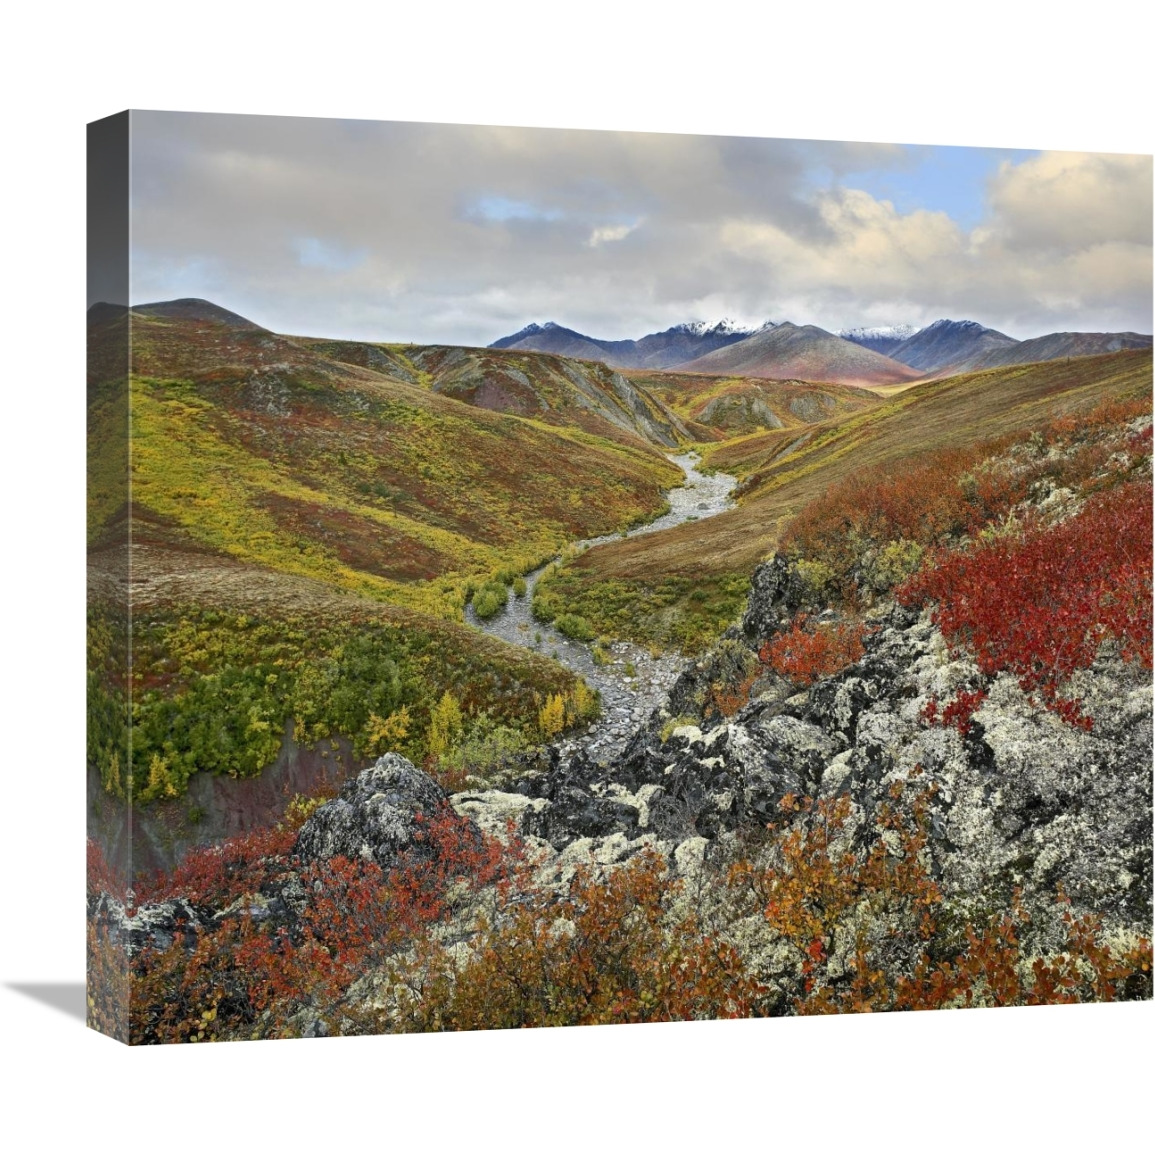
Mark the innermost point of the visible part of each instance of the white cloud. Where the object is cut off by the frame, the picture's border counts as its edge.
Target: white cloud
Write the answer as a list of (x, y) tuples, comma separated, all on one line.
[(604, 234), (1067, 201), (399, 250)]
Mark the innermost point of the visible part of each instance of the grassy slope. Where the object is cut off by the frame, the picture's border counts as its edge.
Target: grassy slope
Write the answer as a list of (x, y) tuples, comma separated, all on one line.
[(251, 446), (685, 584), (279, 494), (701, 401), (556, 391)]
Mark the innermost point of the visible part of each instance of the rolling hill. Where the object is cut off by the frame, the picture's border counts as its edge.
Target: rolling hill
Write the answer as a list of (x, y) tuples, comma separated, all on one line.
[(804, 352), (685, 584), (563, 391), (1053, 347), (717, 408), (303, 535), (256, 447)]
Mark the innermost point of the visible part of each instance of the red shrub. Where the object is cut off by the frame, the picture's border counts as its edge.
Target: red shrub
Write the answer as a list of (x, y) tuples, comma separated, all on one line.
[(216, 875), (1040, 604), (100, 876), (949, 492), (957, 712), (806, 653), (246, 976)]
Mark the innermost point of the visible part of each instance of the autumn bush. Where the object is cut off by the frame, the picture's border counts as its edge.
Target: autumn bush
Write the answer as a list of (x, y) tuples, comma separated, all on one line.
[(1039, 603), (617, 950), (466, 937), (808, 650), (255, 975), (871, 927), (957, 712), (867, 533)]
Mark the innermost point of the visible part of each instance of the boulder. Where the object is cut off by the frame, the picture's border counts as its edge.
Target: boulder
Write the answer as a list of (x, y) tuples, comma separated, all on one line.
[(777, 593), (378, 816)]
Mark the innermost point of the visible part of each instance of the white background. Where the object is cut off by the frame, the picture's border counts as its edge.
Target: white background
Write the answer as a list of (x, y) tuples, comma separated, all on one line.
[(977, 73)]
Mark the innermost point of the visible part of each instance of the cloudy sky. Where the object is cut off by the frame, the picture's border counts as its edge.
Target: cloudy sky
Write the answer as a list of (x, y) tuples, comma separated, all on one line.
[(412, 232)]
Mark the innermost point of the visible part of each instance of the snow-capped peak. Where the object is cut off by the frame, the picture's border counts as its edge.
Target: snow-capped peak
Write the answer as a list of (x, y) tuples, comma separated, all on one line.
[(726, 327), (957, 326), (877, 332)]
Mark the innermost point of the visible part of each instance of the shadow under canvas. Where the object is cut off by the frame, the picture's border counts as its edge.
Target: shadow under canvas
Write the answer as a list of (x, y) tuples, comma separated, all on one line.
[(65, 997)]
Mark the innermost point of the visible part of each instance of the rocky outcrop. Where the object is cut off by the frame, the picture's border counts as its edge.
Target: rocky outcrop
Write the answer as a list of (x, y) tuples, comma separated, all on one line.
[(776, 595), (154, 926), (379, 815), (1020, 802)]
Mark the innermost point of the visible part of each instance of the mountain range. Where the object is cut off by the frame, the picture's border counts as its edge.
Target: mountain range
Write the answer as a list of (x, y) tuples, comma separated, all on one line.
[(880, 355), (674, 346)]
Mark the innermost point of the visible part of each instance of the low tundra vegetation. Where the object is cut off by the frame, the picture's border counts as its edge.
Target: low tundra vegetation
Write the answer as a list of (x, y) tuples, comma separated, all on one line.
[(1031, 555), (851, 916), (681, 613), (214, 691)]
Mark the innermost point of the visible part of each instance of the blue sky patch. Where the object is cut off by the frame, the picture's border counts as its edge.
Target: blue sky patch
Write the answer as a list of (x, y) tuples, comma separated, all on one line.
[(499, 208), (939, 178)]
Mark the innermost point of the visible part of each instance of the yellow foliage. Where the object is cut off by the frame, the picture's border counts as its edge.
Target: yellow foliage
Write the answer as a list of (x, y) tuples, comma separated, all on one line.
[(582, 704), (160, 783), (385, 734), (445, 725), (551, 718), (300, 808)]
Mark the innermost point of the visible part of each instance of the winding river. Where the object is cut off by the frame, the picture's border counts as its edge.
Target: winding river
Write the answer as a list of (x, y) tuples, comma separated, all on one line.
[(631, 683)]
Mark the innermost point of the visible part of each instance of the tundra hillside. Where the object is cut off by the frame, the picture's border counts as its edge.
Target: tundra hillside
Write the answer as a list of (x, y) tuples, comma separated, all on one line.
[(915, 772)]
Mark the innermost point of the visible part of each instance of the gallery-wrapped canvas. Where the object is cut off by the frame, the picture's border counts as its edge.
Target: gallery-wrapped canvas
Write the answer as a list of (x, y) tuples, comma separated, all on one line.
[(546, 577)]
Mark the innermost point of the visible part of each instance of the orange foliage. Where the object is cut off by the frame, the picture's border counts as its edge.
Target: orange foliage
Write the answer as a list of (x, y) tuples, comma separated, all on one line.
[(610, 951), (819, 886), (806, 653)]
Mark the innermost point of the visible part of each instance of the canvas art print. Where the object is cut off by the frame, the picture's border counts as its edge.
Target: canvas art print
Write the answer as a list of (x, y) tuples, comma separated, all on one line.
[(546, 577)]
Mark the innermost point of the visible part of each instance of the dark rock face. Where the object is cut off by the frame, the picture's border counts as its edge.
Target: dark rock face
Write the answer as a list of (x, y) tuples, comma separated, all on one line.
[(377, 816), (575, 811), (776, 595), (725, 665), (154, 926)]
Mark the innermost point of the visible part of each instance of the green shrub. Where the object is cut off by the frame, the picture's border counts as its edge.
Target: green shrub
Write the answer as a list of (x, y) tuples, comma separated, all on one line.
[(489, 599), (482, 754), (893, 563), (575, 626), (519, 587)]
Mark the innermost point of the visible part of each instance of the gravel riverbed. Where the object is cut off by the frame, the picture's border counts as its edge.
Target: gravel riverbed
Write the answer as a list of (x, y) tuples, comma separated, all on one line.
[(632, 683)]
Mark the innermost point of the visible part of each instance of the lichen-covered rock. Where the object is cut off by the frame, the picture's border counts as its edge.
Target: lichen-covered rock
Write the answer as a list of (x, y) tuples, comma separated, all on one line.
[(154, 925), (1020, 802), (495, 811), (377, 816), (776, 595), (574, 813)]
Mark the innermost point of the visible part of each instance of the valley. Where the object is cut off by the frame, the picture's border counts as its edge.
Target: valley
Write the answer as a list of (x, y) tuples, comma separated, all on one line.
[(316, 489), (454, 668), (631, 680)]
